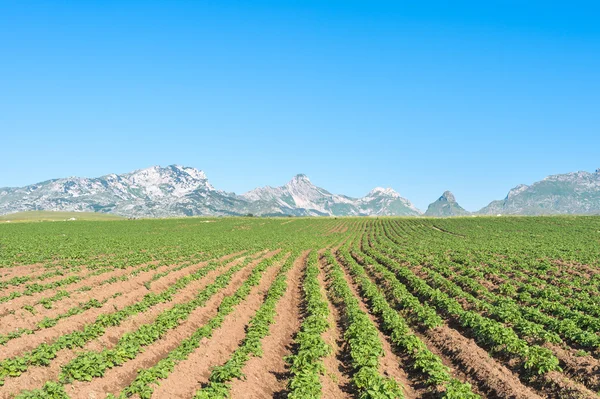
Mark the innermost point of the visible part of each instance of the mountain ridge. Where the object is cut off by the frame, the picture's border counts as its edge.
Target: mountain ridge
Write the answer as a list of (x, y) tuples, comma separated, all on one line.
[(177, 190), (574, 193)]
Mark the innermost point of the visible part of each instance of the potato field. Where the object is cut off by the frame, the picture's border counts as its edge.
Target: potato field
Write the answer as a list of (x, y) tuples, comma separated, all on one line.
[(301, 308)]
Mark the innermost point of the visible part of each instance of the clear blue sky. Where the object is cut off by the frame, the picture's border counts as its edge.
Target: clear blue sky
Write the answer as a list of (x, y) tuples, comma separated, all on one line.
[(475, 97)]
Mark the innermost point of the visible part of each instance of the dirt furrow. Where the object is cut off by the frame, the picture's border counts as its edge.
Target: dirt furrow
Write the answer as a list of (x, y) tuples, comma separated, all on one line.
[(559, 386), (585, 369), (190, 374), (33, 270), (490, 376), (134, 290), (114, 380), (31, 300), (36, 376), (265, 376), (27, 342)]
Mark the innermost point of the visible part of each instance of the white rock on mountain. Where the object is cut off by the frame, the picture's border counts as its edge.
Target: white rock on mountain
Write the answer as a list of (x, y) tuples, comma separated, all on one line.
[(300, 197), (183, 191)]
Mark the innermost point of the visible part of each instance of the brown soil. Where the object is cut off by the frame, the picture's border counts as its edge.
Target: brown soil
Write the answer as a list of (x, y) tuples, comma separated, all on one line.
[(36, 376), (33, 270), (110, 338), (390, 364), (558, 386), (17, 303), (570, 267), (455, 370), (189, 375), (24, 319), (584, 369), (119, 377), (490, 376), (83, 272), (265, 376), (27, 342)]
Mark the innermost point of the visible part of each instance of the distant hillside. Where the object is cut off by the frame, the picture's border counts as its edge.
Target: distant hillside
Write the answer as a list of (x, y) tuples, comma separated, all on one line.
[(446, 206), (570, 193)]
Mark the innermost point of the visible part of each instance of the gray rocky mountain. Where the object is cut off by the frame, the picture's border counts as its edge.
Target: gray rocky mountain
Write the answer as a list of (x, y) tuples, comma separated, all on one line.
[(183, 191), (569, 193), (446, 206)]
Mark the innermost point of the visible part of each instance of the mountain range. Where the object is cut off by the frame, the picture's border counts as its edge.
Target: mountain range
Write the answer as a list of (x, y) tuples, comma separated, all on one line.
[(184, 191)]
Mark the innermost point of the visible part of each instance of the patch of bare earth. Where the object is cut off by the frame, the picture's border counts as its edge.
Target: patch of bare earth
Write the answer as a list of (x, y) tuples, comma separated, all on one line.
[(390, 364), (558, 386), (469, 362), (265, 376), (490, 376), (584, 369), (190, 374), (32, 270)]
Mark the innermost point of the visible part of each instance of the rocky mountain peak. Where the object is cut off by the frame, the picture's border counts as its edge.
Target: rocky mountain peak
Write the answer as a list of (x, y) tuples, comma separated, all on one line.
[(300, 179), (380, 191), (448, 196), (445, 205)]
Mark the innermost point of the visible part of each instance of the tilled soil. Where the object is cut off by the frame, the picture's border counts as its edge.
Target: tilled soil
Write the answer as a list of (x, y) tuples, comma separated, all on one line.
[(266, 375), (35, 377), (135, 291), (92, 281), (117, 378), (190, 374)]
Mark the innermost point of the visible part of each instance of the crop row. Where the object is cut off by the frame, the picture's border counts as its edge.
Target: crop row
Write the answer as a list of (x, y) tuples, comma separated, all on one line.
[(362, 339), (306, 364)]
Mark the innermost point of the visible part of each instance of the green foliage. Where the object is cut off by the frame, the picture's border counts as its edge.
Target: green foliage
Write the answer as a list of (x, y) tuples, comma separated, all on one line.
[(306, 364)]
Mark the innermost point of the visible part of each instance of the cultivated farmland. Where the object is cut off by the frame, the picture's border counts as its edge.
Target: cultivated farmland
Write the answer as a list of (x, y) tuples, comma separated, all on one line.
[(301, 308)]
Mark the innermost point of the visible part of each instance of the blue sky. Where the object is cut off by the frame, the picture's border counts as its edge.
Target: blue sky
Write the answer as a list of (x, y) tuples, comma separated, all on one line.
[(471, 96)]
